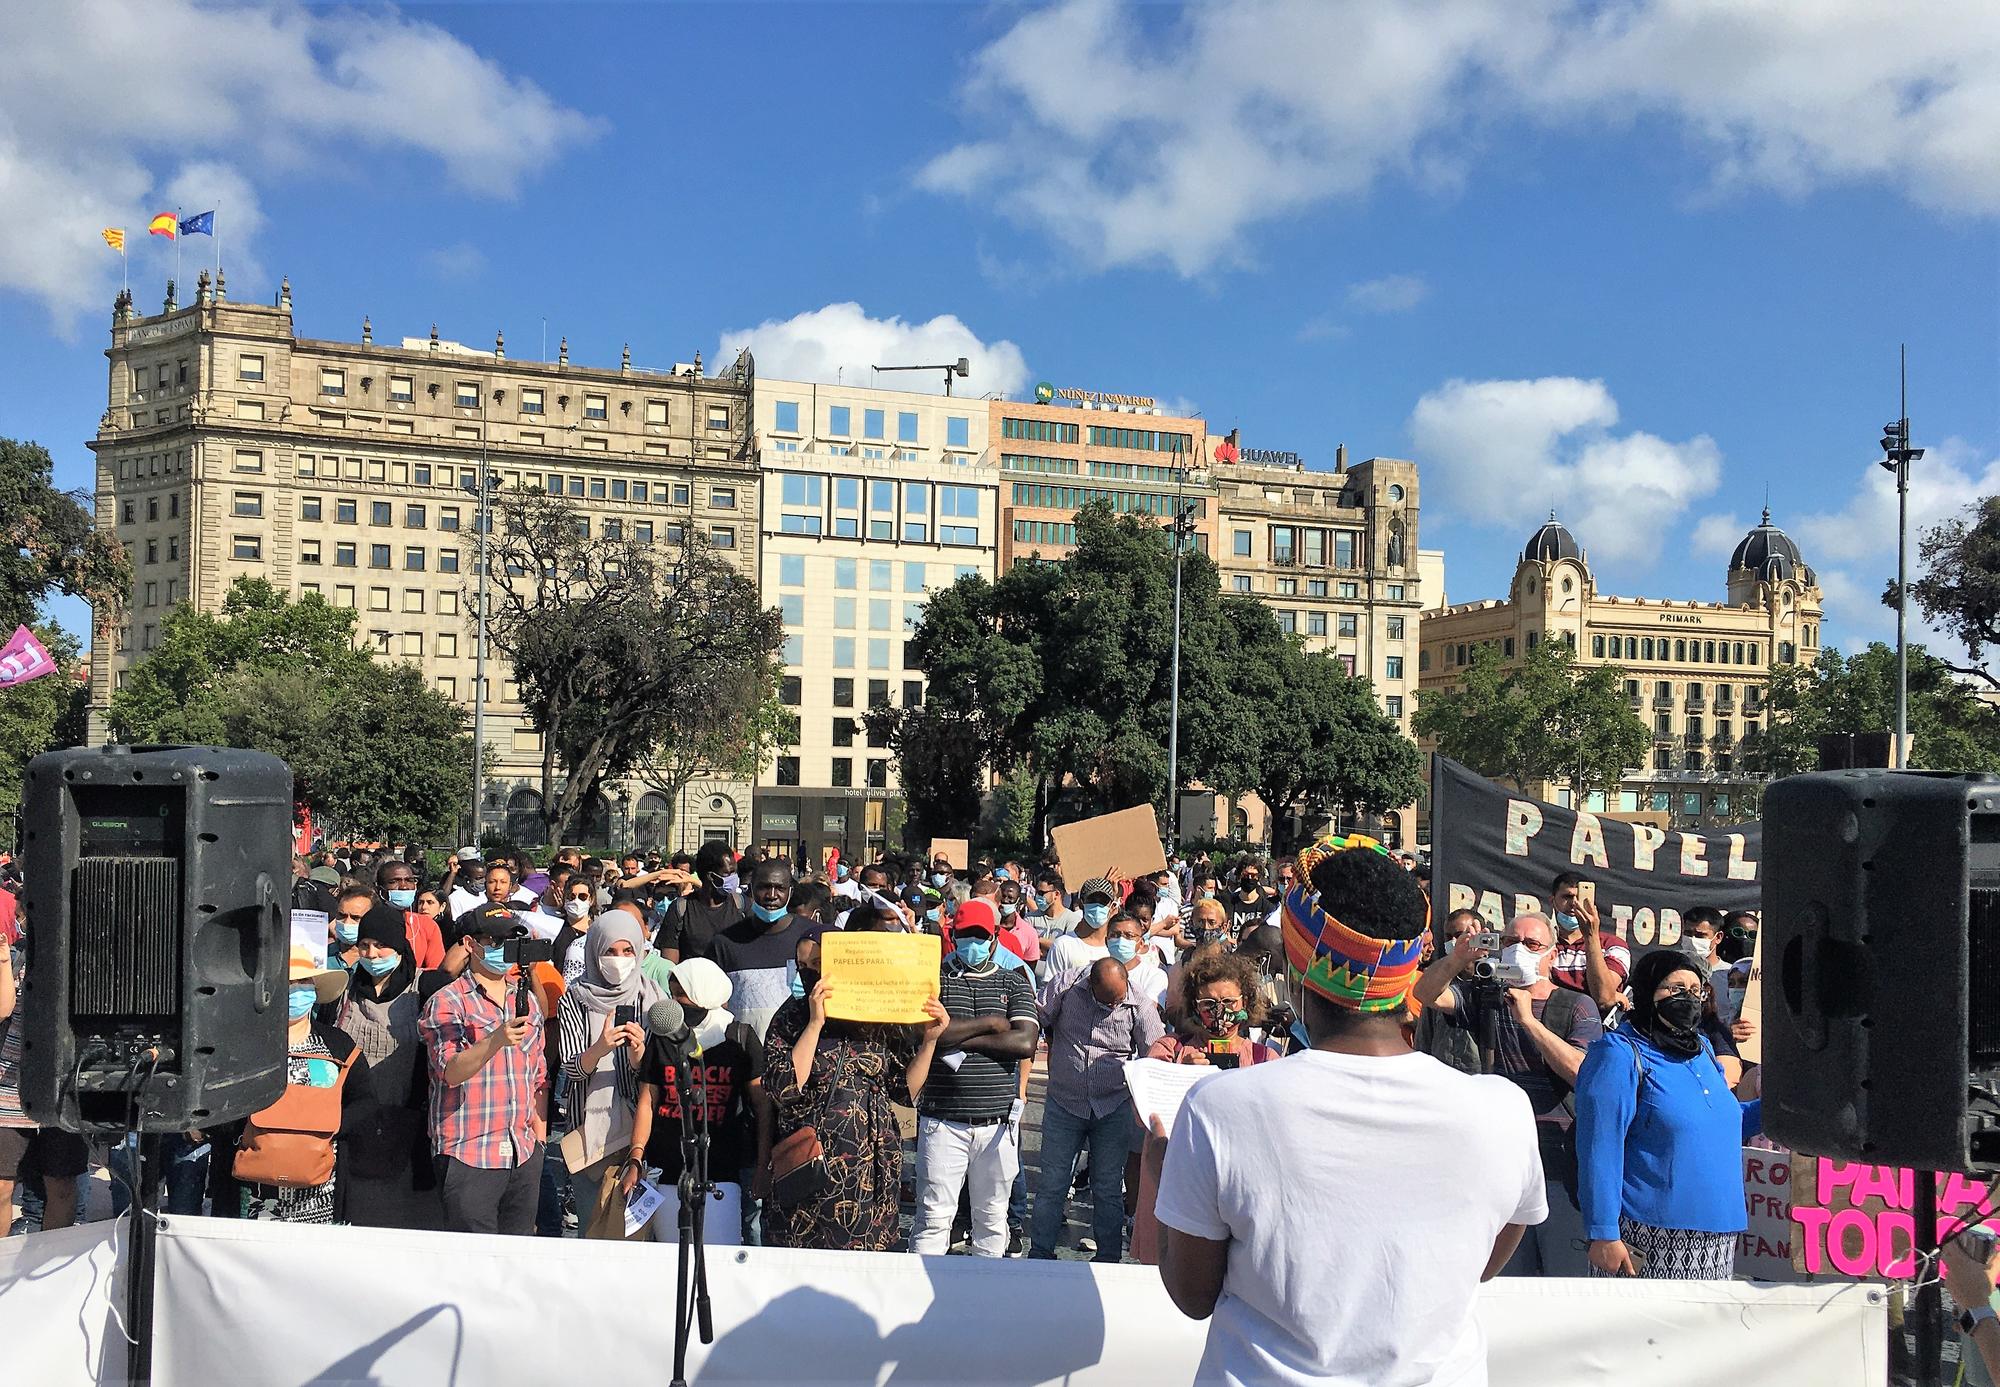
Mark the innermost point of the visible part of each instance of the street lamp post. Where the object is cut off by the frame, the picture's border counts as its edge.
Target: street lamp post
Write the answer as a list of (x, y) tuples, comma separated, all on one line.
[(482, 489), (1897, 457), (1183, 530)]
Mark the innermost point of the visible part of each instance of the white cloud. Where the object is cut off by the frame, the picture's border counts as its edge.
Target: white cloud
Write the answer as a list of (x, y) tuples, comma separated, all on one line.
[(1166, 141), (1389, 294), (840, 342), (1507, 451), (459, 260), (115, 110), (1716, 536)]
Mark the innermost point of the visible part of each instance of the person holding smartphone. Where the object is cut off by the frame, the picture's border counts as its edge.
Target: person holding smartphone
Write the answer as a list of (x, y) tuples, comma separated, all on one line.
[(1588, 958), (602, 1021)]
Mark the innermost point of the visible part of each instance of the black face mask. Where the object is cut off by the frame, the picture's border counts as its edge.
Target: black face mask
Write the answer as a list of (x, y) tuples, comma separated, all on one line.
[(695, 1015), (1677, 1024)]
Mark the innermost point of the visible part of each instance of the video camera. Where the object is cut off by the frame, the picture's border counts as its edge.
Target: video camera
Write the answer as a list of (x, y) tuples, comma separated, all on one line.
[(1498, 974)]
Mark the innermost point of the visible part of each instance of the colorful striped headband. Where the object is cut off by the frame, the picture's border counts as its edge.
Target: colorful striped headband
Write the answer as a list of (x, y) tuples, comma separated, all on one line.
[(1348, 968)]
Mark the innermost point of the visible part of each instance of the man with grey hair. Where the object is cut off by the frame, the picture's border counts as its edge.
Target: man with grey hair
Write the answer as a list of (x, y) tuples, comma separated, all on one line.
[(1534, 1033)]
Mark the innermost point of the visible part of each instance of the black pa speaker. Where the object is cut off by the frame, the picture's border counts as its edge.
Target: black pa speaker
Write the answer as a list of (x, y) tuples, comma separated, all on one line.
[(1881, 980), (158, 895)]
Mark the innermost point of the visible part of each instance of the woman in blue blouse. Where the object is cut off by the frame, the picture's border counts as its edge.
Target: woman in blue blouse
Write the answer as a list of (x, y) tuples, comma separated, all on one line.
[(1659, 1136)]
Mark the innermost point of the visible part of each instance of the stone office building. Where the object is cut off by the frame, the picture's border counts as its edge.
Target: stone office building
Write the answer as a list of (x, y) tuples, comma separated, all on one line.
[(229, 446), (1694, 671)]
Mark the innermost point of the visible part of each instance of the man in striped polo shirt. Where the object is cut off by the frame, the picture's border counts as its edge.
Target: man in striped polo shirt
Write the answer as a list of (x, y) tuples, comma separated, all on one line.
[(967, 1116)]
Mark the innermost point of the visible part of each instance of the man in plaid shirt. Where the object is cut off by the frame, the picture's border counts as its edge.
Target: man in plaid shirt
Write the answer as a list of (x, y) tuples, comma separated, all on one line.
[(489, 1085)]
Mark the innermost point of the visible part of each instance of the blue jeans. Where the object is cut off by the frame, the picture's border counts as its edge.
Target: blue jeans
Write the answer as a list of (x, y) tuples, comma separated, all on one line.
[(187, 1175), (1109, 1139), (1017, 1202)]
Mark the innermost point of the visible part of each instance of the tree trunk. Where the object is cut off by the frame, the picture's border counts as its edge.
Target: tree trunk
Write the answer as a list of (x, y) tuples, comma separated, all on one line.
[(1038, 830), (548, 786)]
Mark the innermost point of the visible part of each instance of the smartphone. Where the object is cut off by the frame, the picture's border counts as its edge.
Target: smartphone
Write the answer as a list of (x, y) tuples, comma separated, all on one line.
[(1586, 891), (1222, 1055), (627, 1015), (1978, 1243)]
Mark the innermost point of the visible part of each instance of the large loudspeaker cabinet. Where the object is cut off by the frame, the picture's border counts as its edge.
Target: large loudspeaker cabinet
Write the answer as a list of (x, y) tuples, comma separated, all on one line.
[(158, 889), (1881, 941)]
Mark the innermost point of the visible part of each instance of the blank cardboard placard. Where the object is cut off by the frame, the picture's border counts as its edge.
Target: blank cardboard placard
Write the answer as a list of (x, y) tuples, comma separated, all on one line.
[(880, 977), (1752, 1050), (1126, 844), (957, 851)]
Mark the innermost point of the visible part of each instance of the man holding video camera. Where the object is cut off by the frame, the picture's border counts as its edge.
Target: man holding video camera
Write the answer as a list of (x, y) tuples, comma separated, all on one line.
[(1534, 1033), (489, 1078)]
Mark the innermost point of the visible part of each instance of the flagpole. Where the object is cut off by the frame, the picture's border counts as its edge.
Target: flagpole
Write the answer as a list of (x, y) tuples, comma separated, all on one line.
[(217, 237), (177, 243)]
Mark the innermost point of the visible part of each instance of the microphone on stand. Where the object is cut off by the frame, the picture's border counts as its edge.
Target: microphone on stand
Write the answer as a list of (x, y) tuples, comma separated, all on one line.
[(668, 1023)]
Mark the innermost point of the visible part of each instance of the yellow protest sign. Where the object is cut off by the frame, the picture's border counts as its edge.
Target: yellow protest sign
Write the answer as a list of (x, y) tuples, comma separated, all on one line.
[(880, 977)]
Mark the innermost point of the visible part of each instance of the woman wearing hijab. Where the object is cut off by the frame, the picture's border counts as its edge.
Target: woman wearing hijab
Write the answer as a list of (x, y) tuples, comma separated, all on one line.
[(601, 1057), (391, 1181), (1660, 1135)]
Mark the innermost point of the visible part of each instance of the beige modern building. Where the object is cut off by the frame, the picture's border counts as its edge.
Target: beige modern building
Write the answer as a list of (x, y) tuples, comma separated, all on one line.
[(870, 501), (1694, 671), (1070, 446), (231, 447), (1334, 555)]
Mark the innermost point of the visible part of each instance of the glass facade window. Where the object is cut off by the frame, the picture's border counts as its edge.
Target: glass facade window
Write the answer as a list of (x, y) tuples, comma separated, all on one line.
[(906, 426), (958, 431), (1039, 430), (843, 573), (792, 570), (874, 424), (785, 417), (839, 421)]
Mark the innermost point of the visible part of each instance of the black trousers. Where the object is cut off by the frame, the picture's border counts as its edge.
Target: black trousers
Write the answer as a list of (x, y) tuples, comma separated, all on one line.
[(491, 1201)]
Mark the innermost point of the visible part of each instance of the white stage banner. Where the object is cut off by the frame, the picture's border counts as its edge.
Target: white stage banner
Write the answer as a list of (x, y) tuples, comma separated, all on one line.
[(275, 1304), (61, 1296)]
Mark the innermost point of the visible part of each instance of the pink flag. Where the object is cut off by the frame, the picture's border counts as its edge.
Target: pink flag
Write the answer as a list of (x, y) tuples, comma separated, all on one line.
[(23, 658)]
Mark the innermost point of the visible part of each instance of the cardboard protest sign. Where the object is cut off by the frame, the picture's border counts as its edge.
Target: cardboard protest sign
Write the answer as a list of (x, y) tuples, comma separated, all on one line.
[(1126, 843), (1751, 1051), (880, 977), (1764, 1248), (1855, 1219), (1495, 850), (956, 851)]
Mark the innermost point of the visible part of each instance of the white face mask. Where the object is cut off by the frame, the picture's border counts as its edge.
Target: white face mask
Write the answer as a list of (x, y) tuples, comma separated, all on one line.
[(576, 909), (1518, 960), (617, 968), (1700, 948)]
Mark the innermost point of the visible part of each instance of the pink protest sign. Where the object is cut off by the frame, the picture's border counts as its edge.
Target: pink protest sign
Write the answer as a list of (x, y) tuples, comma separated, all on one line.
[(23, 658), (1856, 1219)]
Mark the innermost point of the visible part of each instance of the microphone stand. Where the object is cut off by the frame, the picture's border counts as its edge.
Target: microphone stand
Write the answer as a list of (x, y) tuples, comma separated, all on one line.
[(694, 1191)]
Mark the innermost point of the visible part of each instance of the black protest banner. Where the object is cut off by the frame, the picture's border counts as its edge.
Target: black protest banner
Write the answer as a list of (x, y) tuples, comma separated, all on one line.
[(1495, 851)]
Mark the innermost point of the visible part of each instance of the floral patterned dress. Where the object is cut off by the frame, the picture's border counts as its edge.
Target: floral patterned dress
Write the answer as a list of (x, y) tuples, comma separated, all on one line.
[(857, 1072)]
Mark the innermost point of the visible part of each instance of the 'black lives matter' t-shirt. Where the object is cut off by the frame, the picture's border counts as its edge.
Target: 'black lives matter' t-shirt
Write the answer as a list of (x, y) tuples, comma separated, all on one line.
[(692, 922), (720, 1076)]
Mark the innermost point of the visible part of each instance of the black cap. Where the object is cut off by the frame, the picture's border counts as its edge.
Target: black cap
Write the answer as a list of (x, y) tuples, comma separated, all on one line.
[(490, 921)]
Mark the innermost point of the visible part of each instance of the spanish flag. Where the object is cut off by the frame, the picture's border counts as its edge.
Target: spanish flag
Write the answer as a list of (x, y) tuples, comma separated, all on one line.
[(114, 236), (166, 224)]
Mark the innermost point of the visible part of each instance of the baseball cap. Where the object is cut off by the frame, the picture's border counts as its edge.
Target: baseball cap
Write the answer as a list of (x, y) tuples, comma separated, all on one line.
[(325, 876), (468, 854), (490, 921), (1097, 886), (977, 913)]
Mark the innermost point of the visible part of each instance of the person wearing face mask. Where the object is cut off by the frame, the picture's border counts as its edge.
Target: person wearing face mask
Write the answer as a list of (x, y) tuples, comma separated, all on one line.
[(1588, 959), (1126, 941), (757, 952), (397, 882), (343, 927), (1660, 1136), (1072, 953), (489, 1082), (725, 1069), (842, 1078), (1250, 902), (1535, 1034), (1701, 932), (326, 1102), (1052, 916), (601, 1059), (391, 1183), (968, 1134), (694, 922)]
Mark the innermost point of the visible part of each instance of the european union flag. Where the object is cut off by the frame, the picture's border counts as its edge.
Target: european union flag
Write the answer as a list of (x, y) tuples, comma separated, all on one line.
[(200, 224)]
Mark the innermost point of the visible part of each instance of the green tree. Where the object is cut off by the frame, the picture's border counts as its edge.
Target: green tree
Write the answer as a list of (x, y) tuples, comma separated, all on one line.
[(721, 739), (372, 748), (35, 717), (1541, 718), (939, 767), (1959, 591), (618, 646), (54, 545), (1951, 728)]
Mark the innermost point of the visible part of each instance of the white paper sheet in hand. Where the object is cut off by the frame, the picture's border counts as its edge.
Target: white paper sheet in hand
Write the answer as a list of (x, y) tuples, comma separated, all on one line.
[(1159, 1088), (646, 1196)]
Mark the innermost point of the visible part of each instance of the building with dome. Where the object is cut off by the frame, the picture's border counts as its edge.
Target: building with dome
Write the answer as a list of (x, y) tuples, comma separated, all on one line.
[(1694, 671)]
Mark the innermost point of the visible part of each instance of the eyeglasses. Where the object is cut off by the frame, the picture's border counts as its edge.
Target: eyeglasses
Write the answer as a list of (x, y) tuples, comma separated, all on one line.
[(1506, 940), (1697, 992)]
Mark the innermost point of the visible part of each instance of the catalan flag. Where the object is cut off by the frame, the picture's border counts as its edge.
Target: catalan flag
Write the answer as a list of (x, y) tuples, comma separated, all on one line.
[(114, 236), (166, 224)]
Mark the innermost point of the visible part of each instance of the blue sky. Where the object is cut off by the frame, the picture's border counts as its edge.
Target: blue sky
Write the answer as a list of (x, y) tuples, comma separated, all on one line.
[(1641, 269)]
